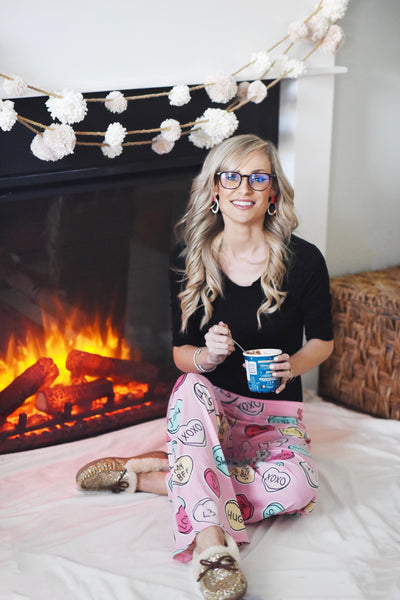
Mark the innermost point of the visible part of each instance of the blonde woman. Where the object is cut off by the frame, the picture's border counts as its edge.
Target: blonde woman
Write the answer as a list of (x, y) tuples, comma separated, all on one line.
[(237, 273)]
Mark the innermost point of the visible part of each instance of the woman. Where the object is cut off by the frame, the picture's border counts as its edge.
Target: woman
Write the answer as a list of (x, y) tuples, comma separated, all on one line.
[(239, 274)]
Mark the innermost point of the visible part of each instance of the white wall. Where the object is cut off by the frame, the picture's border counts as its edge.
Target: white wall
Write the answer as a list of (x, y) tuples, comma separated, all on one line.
[(364, 203)]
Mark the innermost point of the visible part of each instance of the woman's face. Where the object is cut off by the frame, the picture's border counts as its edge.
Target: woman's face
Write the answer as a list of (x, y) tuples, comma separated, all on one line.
[(243, 204)]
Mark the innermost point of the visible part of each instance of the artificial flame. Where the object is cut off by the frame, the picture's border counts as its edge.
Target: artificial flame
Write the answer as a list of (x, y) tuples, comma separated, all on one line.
[(56, 344)]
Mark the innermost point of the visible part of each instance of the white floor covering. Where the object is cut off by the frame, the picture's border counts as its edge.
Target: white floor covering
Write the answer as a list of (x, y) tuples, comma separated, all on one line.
[(59, 543)]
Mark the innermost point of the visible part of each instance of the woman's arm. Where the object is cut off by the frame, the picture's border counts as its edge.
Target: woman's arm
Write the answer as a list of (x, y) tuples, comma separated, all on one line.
[(313, 353)]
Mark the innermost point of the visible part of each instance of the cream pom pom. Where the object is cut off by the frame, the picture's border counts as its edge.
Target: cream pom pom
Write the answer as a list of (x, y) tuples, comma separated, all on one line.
[(216, 125), (112, 151), (317, 27), (199, 138), (115, 134), (70, 108), (115, 102), (334, 9), (179, 95), (54, 143), (8, 115), (221, 87), (279, 66), (242, 91), (297, 31), (295, 68), (261, 62), (257, 92), (160, 145), (333, 40), (171, 130), (15, 86)]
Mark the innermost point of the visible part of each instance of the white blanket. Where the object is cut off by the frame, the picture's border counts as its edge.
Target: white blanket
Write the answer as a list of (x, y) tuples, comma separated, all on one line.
[(60, 543)]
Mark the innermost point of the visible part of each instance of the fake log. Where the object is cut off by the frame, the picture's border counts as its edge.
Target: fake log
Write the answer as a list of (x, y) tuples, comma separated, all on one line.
[(38, 376), (117, 369), (53, 399)]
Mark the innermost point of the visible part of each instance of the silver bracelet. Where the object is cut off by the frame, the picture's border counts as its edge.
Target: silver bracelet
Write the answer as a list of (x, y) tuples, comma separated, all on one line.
[(196, 364)]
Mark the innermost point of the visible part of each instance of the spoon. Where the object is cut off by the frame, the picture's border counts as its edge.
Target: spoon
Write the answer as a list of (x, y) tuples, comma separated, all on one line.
[(238, 345)]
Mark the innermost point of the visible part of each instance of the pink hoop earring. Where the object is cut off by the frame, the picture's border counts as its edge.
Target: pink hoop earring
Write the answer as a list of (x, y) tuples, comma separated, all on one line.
[(271, 210), (215, 205)]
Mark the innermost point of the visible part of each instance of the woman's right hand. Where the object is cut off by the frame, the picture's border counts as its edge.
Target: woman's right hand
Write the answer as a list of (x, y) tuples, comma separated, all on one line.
[(219, 343)]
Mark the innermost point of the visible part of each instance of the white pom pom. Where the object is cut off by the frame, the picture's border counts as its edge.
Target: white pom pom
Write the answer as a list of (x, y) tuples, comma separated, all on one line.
[(112, 151), (297, 31), (172, 130), (179, 95), (334, 9), (115, 134), (242, 91), (8, 115), (161, 145), (333, 40), (221, 87), (317, 27), (54, 143), (15, 86), (257, 92), (115, 102), (70, 108), (215, 125), (261, 62), (295, 68)]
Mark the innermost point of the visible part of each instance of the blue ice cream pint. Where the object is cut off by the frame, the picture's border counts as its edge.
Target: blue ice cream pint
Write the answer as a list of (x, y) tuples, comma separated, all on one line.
[(259, 375)]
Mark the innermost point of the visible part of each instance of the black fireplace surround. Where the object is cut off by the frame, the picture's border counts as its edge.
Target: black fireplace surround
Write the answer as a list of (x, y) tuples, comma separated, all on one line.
[(97, 232)]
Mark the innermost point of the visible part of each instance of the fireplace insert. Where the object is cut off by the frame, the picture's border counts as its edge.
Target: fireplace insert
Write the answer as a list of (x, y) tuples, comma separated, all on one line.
[(85, 343)]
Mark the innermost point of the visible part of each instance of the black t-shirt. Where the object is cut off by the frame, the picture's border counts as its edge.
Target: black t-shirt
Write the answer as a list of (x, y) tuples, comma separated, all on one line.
[(305, 311)]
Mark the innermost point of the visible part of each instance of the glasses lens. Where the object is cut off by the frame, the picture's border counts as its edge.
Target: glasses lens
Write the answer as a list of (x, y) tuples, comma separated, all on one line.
[(259, 181), (230, 180)]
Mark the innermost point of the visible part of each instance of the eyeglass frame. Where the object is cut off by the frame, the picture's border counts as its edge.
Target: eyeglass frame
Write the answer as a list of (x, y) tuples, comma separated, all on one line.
[(270, 175)]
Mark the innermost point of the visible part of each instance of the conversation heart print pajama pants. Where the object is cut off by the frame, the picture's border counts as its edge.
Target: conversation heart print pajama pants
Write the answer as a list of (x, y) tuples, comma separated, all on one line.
[(233, 460)]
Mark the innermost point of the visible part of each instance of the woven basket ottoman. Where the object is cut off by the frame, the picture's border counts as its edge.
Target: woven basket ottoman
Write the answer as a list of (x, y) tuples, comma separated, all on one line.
[(364, 370)]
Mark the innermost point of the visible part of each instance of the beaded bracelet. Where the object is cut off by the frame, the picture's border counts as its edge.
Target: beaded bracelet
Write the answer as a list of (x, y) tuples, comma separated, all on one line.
[(196, 364)]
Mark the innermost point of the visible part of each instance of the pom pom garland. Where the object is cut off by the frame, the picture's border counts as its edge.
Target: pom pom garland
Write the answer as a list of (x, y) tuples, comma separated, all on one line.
[(215, 125)]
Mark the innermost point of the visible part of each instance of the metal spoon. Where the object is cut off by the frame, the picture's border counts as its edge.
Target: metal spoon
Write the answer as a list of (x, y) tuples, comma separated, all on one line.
[(237, 344)]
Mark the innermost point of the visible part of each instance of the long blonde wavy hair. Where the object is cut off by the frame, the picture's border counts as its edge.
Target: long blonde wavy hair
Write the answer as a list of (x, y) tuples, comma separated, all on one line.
[(202, 231)]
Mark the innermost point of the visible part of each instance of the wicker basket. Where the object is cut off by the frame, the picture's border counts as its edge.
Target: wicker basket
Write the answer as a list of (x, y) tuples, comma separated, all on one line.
[(364, 370)]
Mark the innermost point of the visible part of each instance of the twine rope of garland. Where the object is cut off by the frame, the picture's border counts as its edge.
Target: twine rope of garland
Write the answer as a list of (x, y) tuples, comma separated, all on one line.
[(233, 107)]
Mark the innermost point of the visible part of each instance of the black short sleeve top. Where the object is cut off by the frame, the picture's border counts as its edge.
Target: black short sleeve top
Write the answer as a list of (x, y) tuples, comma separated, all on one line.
[(306, 311)]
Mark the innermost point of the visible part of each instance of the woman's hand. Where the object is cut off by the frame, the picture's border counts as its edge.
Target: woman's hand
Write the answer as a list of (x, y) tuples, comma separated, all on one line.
[(281, 367), (219, 344)]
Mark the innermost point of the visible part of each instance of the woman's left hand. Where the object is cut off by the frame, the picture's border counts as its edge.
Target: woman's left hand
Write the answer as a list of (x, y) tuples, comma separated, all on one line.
[(282, 368)]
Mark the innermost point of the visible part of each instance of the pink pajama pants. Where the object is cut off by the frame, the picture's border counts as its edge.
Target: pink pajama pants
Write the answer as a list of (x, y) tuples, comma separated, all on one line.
[(234, 460)]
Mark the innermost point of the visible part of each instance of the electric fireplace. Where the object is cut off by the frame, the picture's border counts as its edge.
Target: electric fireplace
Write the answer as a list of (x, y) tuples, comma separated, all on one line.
[(85, 342)]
